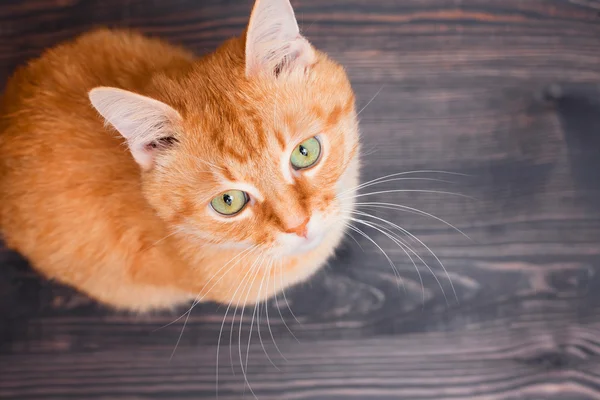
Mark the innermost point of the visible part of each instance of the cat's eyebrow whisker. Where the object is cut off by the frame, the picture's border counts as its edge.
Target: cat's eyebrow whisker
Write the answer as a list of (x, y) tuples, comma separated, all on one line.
[(394, 268), (409, 191), (424, 171), (406, 232), (391, 206), (199, 159), (280, 273), (311, 24), (208, 163), (370, 101)]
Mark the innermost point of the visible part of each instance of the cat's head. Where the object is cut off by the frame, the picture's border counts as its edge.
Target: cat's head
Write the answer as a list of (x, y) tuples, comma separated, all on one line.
[(253, 145)]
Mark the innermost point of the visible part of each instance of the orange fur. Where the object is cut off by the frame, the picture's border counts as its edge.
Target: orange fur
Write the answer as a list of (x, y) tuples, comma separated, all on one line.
[(76, 204)]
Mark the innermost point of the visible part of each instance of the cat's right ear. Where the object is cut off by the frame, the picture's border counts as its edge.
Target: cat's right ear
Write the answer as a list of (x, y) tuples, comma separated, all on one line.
[(148, 125), (273, 40)]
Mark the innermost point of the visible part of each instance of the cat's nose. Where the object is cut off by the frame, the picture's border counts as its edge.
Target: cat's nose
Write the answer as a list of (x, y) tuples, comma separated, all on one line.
[(301, 229)]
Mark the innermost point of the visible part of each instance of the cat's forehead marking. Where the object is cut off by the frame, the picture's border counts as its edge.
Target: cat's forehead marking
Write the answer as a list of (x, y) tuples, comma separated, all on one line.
[(281, 139)]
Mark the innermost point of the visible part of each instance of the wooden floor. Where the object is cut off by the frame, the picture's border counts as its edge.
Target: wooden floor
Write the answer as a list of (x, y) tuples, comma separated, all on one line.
[(506, 91)]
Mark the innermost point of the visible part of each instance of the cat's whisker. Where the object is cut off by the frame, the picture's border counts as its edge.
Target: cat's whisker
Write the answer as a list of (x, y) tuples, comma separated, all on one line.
[(259, 304), (424, 171), (231, 330), (408, 191), (355, 241), (285, 297), (205, 162), (406, 232), (244, 367), (197, 301), (370, 101), (394, 268), (404, 247), (246, 284), (223, 324), (219, 346), (303, 30), (404, 179), (161, 240), (391, 206), (198, 298), (266, 305), (280, 273)]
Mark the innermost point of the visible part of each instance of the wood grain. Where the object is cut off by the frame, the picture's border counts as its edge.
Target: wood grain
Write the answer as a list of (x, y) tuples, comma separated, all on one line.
[(507, 92)]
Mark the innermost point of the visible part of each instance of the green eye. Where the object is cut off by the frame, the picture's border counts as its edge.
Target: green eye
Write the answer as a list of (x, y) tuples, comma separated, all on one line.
[(306, 154), (230, 202)]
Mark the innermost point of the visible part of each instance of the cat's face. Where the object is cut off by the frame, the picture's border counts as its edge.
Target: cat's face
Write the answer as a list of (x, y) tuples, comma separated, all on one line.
[(259, 153), (264, 164)]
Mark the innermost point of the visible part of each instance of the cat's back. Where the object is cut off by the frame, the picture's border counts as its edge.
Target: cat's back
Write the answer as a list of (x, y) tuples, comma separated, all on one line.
[(62, 76), (62, 172)]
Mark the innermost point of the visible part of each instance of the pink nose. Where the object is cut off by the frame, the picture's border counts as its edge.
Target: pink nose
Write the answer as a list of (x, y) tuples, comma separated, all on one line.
[(300, 230)]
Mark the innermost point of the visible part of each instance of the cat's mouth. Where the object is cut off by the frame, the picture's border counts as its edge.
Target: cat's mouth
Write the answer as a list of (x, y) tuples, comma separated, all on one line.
[(307, 244)]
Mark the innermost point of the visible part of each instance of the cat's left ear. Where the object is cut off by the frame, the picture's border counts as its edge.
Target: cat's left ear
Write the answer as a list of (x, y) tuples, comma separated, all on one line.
[(273, 40), (148, 125)]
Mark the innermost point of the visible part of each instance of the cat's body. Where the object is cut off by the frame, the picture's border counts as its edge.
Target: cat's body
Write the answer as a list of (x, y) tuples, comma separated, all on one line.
[(145, 235)]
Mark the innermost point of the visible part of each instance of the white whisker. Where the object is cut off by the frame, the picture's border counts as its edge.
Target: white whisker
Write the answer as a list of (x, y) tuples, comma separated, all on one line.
[(391, 206), (425, 171), (379, 182), (285, 297), (280, 271), (267, 312), (244, 369), (196, 302), (394, 268), (355, 241), (406, 232), (178, 230), (246, 284), (409, 191), (223, 324), (370, 101), (267, 276), (404, 247), (198, 299)]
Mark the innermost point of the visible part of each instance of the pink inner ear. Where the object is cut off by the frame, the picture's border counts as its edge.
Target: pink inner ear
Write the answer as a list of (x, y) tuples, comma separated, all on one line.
[(273, 40), (146, 123)]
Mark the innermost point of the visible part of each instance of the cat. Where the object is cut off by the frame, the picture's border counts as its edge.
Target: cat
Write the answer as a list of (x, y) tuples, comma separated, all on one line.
[(146, 177)]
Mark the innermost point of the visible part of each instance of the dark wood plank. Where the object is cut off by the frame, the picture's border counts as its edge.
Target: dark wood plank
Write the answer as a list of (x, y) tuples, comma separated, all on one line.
[(505, 91)]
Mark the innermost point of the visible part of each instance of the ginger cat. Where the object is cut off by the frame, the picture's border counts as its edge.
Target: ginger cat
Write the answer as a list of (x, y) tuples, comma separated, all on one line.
[(146, 177)]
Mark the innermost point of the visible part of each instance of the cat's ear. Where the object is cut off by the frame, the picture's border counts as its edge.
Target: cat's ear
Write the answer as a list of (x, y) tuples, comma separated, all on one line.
[(148, 125), (273, 40)]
